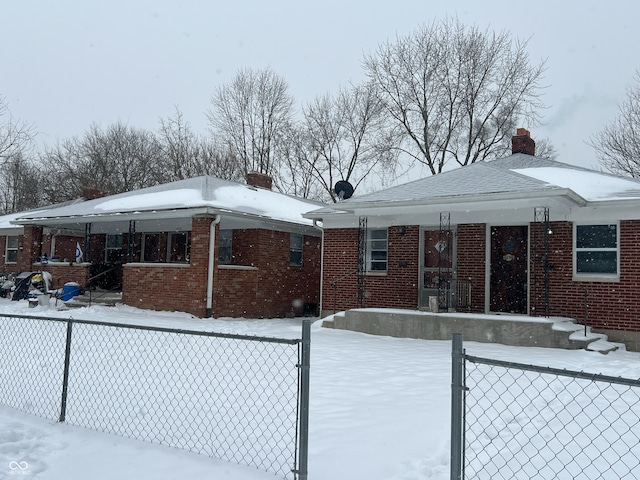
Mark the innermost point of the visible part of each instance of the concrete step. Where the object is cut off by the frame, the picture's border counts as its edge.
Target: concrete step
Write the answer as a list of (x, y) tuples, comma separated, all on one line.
[(105, 298), (517, 330)]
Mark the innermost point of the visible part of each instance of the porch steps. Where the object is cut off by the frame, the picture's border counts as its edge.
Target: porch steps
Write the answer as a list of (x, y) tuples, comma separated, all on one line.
[(104, 298), (517, 330)]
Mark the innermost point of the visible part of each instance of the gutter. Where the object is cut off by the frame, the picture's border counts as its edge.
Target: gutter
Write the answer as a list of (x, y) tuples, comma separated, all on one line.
[(212, 248), (315, 224)]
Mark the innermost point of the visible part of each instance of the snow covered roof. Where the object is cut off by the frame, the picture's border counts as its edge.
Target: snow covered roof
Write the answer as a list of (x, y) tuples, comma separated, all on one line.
[(202, 194), (514, 176)]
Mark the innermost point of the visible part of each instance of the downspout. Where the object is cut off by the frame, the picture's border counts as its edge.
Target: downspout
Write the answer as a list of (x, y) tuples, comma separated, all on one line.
[(212, 249), (315, 224)]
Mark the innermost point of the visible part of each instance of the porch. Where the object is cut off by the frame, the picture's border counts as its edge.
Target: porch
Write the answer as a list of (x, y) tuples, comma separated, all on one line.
[(516, 330)]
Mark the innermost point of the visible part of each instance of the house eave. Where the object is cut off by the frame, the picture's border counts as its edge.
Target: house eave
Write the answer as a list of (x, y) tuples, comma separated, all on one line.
[(156, 215), (480, 202)]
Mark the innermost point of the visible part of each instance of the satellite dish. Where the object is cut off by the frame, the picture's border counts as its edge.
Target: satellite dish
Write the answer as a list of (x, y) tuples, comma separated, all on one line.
[(343, 189)]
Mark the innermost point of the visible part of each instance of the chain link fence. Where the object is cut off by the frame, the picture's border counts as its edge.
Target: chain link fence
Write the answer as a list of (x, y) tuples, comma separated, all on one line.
[(232, 397), (515, 421)]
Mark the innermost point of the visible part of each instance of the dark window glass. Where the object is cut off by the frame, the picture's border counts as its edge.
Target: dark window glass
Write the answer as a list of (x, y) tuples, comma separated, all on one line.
[(596, 236), (151, 247), (180, 246), (295, 249), (224, 247), (597, 262)]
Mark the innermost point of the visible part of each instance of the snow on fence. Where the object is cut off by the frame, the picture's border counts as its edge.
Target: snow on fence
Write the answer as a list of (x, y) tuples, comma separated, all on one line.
[(515, 421), (238, 398)]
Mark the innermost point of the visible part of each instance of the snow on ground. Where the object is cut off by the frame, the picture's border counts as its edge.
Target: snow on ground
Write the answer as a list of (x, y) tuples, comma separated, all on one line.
[(380, 407)]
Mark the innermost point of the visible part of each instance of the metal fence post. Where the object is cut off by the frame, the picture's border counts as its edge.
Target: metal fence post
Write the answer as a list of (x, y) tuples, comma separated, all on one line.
[(457, 406), (65, 378), (303, 440)]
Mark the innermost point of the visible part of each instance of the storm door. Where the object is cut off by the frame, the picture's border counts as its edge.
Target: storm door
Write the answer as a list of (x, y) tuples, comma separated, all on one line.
[(437, 264), (508, 276)]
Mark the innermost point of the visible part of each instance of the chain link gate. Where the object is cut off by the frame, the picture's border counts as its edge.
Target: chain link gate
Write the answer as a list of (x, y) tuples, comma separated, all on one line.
[(239, 398), (515, 421)]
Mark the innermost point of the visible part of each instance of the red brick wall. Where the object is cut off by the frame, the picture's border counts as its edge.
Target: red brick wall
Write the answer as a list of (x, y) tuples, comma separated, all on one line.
[(236, 292), (608, 305), (471, 245), (63, 273), (274, 288), (65, 246), (339, 277), (30, 248), (172, 287), (397, 289)]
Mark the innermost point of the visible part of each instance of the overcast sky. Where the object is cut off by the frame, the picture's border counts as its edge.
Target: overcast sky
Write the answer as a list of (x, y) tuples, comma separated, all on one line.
[(68, 63)]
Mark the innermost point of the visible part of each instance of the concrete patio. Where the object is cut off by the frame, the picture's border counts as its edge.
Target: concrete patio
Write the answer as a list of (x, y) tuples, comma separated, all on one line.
[(517, 330)]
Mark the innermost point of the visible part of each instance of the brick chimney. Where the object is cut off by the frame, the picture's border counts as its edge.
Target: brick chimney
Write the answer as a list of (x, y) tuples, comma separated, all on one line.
[(261, 180), (91, 193), (522, 142)]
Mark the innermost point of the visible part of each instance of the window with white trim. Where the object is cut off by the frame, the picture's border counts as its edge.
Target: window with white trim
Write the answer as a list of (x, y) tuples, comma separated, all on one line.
[(596, 250), (377, 250), (11, 249), (295, 249)]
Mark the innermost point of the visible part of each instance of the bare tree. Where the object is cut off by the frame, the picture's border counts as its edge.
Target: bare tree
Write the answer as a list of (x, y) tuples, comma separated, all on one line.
[(345, 138), (249, 114), (185, 155), (617, 145), (178, 144), (20, 182), (298, 165), (15, 136), (546, 149), (116, 160), (455, 92)]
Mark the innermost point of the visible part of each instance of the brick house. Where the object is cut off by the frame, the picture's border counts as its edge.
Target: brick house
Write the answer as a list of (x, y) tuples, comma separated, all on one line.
[(518, 235), (203, 245)]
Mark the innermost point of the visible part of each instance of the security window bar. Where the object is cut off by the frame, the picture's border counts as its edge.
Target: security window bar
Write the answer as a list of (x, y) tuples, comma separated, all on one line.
[(225, 243), (295, 250), (596, 250), (11, 249), (377, 250)]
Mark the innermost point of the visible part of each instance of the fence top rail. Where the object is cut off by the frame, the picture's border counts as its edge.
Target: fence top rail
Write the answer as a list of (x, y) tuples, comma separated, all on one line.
[(201, 333), (596, 377)]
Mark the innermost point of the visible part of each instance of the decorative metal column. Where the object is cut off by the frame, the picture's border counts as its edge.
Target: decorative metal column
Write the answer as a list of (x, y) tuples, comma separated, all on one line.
[(131, 247), (362, 259), (444, 259), (87, 243)]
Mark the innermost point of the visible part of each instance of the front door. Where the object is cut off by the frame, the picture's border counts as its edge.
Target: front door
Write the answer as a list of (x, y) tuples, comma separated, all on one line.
[(508, 277), (436, 270)]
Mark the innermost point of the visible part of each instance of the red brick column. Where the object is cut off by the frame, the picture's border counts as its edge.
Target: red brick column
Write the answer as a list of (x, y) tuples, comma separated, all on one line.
[(30, 248)]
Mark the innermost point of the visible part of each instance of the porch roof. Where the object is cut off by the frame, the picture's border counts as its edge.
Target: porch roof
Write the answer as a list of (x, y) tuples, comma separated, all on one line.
[(179, 200), (483, 185)]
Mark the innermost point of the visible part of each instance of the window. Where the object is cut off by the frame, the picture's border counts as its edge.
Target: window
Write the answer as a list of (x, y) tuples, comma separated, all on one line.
[(224, 247), (596, 250), (377, 250), (150, 247), (11, 249), (113, 248), (179, 247), (295, 249)]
